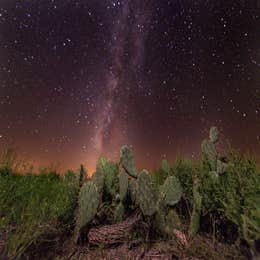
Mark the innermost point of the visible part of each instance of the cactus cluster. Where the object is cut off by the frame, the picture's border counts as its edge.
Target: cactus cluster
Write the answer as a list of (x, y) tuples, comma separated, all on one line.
[(210, 154), (156, 203), (127, 189)]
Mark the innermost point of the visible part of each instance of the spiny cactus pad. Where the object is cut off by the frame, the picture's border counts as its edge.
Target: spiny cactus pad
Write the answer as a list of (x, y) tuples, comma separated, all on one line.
[(127, 161), (171, 191), (213, 134), (88, 203), (146, 194), (98, 179), (133, 190), (123, 185), (209, 153), (196, 211)]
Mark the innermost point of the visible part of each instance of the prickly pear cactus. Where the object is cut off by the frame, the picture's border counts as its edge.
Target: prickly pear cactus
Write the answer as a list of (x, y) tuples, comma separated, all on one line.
[(88, 203), (98, 179), (196, 211), (146, 193), (133, 191), (209, 154), (221, 167), (213, 134), (123, 185), (171, 191), (127, 161)]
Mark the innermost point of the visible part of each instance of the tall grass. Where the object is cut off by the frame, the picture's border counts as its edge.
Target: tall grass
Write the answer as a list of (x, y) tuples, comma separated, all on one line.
[(32, 206)]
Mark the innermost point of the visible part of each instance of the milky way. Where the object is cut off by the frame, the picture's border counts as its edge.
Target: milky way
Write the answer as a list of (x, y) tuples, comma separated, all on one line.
[(128, 36)]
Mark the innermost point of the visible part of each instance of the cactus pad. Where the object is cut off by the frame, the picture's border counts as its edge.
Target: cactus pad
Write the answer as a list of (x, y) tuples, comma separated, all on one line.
[(98, 179), (171, 191), (196, 211), (127, 161), (88, 203), (133, 190), (213, 134), (209, 153), (146, 194), (123, 185)]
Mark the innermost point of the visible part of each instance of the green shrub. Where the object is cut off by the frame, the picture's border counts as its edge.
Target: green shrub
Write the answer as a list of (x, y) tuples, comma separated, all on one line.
[(183, 169), (241, 196), (34, 204)]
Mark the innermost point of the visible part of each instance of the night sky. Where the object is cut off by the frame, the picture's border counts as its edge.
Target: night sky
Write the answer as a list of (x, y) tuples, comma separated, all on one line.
[(80, 78)]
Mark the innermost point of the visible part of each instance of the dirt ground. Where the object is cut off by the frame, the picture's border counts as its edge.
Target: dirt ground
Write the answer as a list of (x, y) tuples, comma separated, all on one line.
[(200, 248)]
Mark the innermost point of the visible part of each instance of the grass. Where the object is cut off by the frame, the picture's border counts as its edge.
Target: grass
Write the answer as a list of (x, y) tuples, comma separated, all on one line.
[(32, 206)]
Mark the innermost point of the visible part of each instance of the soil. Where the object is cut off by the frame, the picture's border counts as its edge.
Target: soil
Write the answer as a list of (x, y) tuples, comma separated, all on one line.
[(201, 247)]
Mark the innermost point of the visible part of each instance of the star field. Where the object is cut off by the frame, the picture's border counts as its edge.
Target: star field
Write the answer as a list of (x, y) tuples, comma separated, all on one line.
[(81, 78)]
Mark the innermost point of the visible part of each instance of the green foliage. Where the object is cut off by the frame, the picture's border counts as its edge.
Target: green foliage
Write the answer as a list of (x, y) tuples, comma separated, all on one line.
[(235, 194), (183, 171), (240, 200), (110, 172), (165, 166), (159, 176), (34, 204), (9, 160), (71, 177)]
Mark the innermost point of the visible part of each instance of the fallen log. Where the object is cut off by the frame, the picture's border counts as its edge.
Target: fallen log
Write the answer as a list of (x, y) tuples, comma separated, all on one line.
[(113, 234)]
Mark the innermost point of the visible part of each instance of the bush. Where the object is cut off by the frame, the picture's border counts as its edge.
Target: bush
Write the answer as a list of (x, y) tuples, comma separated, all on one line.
[(235, 195), (33, 205)]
